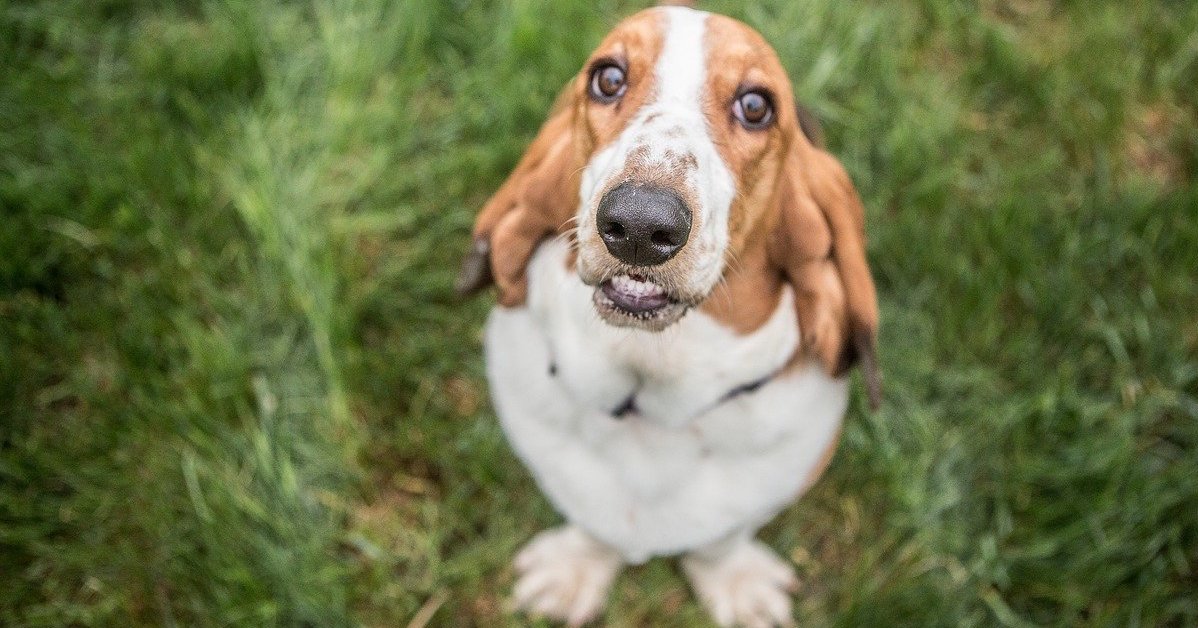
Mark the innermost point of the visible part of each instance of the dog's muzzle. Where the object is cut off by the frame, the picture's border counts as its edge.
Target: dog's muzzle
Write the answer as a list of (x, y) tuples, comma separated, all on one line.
[(643, 227)]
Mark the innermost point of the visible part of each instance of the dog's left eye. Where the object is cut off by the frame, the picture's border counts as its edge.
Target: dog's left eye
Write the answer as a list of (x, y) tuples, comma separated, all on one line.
[(608, 82), (753, 109)]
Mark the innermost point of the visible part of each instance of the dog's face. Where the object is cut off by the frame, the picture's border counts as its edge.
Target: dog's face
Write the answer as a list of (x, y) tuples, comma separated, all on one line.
[(676, 162), (683, 140)]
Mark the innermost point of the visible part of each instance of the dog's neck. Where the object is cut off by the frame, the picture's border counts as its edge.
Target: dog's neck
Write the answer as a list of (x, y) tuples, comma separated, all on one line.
[(669, 376)]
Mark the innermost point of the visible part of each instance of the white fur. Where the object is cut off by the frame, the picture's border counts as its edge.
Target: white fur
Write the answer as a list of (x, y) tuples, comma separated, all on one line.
[(744, 584), (673, 123), (688, 470), (564, 575)]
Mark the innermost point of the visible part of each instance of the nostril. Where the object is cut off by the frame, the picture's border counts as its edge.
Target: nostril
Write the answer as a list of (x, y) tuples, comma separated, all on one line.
[(663, 238), (614, 230)]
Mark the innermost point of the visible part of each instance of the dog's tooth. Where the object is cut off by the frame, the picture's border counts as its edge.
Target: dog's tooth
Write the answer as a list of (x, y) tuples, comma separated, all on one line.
[(636, 287)]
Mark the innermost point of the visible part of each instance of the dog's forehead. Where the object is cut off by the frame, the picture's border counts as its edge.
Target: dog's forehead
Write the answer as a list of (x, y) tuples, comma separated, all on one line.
[(727, 42), (732, 43), (735, 36), (642, 30)]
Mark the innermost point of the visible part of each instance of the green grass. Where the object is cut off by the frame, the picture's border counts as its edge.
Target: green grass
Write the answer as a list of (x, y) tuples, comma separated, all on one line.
[(235, 388)]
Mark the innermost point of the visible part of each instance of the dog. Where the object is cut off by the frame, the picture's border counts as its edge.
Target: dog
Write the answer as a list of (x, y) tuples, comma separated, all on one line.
[(682, 290)]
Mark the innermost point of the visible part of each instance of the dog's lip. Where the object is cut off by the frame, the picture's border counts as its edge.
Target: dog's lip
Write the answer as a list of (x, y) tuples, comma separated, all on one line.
[(635, 294), (629, 300)]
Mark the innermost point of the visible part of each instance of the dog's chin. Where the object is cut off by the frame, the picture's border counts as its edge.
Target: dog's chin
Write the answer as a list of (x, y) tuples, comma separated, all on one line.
[(637, 302)]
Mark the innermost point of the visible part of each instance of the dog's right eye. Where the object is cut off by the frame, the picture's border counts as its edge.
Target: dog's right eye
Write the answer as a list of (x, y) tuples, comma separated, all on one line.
[(608, 82)]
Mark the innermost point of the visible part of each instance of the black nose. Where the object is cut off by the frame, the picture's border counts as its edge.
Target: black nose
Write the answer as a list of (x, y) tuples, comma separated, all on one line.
[(643, 225)]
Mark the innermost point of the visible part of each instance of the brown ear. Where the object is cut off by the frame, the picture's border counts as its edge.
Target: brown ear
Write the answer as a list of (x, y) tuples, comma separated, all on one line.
[(820, 247), (810, 125), (538, 200)]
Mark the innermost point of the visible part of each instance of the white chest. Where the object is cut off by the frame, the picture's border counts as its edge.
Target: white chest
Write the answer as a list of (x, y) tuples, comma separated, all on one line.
[(685, 464)]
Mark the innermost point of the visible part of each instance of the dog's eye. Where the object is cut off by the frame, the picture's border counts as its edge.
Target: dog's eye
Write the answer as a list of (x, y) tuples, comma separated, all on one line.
[(608, 83), (753, 110)]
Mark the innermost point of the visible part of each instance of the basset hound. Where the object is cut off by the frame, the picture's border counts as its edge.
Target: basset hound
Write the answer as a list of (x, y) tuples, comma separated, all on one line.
[(682, 288)]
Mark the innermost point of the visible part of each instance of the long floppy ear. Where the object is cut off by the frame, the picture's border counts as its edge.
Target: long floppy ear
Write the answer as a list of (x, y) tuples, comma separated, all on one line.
[(819, 246), (536, 201)]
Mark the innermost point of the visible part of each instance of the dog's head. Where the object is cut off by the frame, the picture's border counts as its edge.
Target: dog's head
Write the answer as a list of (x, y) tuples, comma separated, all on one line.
[(677, 161)]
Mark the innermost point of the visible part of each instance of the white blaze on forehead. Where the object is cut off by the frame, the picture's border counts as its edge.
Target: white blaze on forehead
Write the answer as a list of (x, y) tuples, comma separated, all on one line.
[(682, 66), (670, 126)]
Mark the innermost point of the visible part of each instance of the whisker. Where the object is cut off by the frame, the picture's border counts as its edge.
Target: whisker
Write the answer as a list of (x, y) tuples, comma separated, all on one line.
[(567, 222)]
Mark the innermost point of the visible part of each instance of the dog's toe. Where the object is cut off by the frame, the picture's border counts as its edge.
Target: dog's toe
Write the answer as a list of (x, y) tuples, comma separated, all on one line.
[(564, 575), (748, 586)]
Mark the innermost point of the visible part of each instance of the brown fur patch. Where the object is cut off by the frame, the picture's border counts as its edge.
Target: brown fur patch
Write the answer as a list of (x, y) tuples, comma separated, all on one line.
[(737, 57), (540, 198), (795, 199)]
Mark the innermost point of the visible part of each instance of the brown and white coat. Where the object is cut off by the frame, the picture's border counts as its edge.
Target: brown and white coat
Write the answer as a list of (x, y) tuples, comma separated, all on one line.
[(683, 428)]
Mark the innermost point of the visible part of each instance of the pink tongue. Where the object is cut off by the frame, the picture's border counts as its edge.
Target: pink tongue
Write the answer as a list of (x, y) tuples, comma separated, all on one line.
[(632, 302)]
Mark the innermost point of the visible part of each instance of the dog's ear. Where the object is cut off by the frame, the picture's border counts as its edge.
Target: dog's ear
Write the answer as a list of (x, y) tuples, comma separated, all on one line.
[(810, 125), (536, 201), (819, 245)]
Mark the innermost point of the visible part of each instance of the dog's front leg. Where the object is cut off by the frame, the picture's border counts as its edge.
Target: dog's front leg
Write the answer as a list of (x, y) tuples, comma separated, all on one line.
[(564, 574), (741, 582)]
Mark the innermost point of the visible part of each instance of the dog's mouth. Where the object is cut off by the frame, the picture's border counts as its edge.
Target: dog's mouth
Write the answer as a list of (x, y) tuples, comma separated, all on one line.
[(635, 295), (636, 301)]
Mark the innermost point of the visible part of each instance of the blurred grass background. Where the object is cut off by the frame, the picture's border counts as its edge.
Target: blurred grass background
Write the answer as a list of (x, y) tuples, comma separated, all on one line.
[(235, 389)]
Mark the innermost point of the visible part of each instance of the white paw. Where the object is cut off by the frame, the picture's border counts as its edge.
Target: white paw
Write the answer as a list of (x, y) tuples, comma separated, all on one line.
[(564, 575), (747, 586)]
